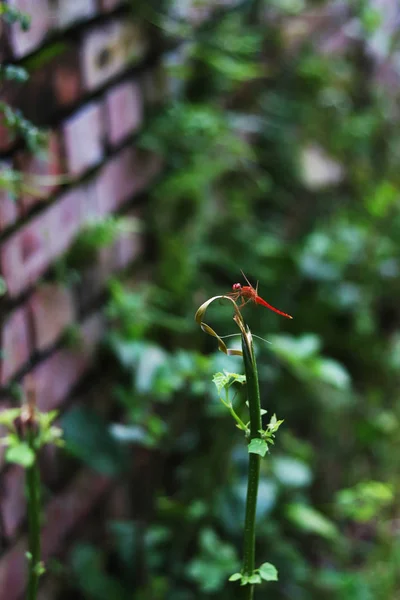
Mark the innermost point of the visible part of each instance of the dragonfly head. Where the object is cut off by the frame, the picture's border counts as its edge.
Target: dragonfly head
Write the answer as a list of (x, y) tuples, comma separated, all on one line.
[(236, 287)]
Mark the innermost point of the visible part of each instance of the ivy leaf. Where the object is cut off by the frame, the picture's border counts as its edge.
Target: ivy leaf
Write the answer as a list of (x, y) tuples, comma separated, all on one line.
[(268, 572), (258, 446)]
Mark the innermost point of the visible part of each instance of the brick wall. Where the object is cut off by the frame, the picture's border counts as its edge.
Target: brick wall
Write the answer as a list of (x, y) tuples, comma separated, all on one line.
[(90, 64), (95, 77)]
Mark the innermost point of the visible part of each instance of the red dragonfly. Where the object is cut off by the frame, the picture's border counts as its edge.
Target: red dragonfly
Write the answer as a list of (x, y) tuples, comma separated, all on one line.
[(248, 294)]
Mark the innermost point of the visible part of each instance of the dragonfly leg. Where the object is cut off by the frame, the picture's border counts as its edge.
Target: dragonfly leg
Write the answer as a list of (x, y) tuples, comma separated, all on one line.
[(244, 302)]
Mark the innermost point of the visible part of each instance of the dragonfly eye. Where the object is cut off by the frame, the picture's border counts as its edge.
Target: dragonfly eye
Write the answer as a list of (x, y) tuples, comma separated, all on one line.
[(236, 287)]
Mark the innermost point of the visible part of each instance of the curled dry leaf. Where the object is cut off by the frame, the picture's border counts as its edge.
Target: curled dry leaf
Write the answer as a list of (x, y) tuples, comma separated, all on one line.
[(207, 329)]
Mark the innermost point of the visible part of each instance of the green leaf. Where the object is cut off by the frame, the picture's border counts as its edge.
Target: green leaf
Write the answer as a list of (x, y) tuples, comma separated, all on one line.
[(254, 579), (235, 577), (215, 561), (8, 416), (268, 572), (332, 372), (382, 199), (364, 501), (258, 446), (274, 424), (221, 380), (20, 454), (309, 520)]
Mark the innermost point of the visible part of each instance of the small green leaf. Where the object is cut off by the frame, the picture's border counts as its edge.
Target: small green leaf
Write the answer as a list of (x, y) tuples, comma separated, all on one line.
[(274, 424), (244, 580), (40, 568), (258, 446), (21, 454), (268, 572), (254, 579), (235, 577), (222, 380), (8, 416)]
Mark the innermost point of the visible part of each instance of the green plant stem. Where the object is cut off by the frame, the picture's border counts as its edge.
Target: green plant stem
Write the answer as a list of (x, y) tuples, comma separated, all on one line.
[(34, 513), (253, 397)]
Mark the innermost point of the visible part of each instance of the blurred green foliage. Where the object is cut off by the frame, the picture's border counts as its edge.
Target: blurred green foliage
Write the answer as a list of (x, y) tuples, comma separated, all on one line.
[(281, 159)]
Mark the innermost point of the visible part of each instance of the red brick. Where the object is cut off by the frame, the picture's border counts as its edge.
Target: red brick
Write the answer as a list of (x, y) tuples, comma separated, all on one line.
[(24, 42), (115, 183), (64, 221), (52, 310), (12, 499), (128, 173), (124, 108), (67, 12), (52, 86), (83, 137), (41, 172), (26, 255), (66, 510), (55, 377), (63, 514), (30, 251), (90, 210), (108, 49), (15, 344), (13, 572)]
